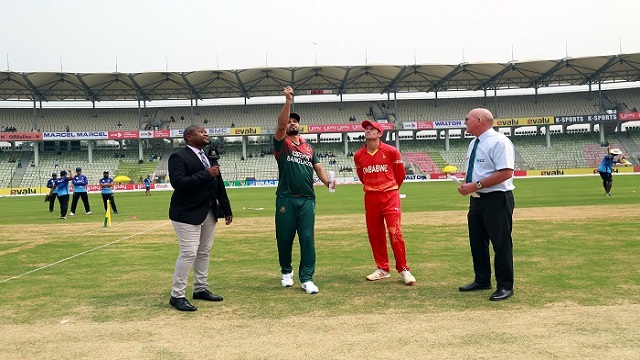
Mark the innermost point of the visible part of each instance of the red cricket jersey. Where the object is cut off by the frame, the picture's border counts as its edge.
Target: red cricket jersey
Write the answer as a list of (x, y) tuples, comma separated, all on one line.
[(380, 171)]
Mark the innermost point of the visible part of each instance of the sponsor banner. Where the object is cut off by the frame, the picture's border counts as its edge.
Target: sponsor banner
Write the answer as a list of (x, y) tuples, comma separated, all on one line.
[(304, 129), (123, 135), (235, 184), (571, 119), (576, 171), (443, 176), (425, 125), (629, 115), (177, 133), (23, 191), (219, 131), (246, 131), (603, 117), (341, 128), (461, 175), (416, 177), (452, 124), (619, 169), (260, 183), (589, 118), (419, 125), (93, 189), (525, 121), (559, 172), (76, 135), (20, 136), (145, 134), (319, 92), (162, 134)]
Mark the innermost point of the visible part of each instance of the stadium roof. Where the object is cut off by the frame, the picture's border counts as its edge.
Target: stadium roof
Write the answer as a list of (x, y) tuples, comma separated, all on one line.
[(338, 80)]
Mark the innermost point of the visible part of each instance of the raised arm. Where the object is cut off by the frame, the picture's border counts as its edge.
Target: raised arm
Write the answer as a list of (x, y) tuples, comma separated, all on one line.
[(283, 117)]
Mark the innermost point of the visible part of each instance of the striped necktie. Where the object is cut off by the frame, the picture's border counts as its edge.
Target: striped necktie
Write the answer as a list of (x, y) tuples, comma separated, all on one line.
[(205, 161), (472, 160)]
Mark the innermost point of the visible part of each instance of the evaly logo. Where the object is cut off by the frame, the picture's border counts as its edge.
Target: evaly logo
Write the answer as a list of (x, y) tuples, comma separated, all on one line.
[(23, 191)]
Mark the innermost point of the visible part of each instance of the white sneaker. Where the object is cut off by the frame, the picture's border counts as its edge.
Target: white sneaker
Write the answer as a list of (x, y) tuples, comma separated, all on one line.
[(89, 213), (310, 287), (379, 274), (71, 214), (287, 280), (407, 277)]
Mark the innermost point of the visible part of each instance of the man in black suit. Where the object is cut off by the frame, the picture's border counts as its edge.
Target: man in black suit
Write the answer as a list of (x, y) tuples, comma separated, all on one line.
[(199, 194)]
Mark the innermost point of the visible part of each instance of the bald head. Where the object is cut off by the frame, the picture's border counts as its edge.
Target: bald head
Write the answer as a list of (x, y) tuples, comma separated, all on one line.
[(484, 114), (478, 121)]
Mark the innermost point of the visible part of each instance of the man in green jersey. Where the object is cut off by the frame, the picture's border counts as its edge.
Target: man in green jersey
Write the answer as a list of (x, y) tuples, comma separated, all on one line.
[(295, 197)]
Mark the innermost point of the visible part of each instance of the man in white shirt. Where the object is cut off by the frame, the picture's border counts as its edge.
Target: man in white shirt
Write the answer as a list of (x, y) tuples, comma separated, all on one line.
[(490, 165)]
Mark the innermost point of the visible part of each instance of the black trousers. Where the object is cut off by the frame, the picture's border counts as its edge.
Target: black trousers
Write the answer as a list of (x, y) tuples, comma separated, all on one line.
[(64, 204), (106, 197), (85, 201), (52, 201), (490, 219)]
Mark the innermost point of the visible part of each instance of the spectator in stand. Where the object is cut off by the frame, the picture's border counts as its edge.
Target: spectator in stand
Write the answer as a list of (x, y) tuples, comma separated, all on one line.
[(80, 182), (106, 183), (19, 163), (51, 184), (56, 163)]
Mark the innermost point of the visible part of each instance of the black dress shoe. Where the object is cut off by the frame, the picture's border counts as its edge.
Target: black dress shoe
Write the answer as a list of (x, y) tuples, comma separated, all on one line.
[(474, 286), (501, 294), (181, 304), (207, 295)]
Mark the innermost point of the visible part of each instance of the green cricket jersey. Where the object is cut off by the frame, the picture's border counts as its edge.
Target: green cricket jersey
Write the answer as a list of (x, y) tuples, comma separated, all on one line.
[(295, 166)]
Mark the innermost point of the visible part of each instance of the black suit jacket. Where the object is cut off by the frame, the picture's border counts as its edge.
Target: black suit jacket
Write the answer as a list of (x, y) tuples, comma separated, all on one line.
[(195, 191)]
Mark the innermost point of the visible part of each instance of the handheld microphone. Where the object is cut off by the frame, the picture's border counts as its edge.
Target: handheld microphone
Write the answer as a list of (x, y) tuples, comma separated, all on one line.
[(213, 155)]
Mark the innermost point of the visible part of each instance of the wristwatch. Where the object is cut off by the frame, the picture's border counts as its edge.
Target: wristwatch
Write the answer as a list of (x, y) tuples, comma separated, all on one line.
[(479, 185)]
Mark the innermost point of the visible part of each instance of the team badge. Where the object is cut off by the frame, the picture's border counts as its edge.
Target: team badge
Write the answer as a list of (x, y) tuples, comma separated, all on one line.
[(282, 209)]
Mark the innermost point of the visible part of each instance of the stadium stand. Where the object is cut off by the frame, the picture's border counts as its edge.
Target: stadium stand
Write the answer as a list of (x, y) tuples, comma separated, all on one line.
[(424, 151), (263, 115)]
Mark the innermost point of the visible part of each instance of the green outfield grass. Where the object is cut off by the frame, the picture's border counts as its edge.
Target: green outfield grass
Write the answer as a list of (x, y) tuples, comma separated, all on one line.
[(588, 261), (577, 280)]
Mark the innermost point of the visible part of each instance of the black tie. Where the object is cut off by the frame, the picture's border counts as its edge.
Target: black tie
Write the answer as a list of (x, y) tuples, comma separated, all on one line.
[(472, 160)]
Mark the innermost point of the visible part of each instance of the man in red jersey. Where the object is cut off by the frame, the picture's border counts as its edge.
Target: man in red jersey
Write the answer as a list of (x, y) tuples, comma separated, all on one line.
[(381, 171)]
